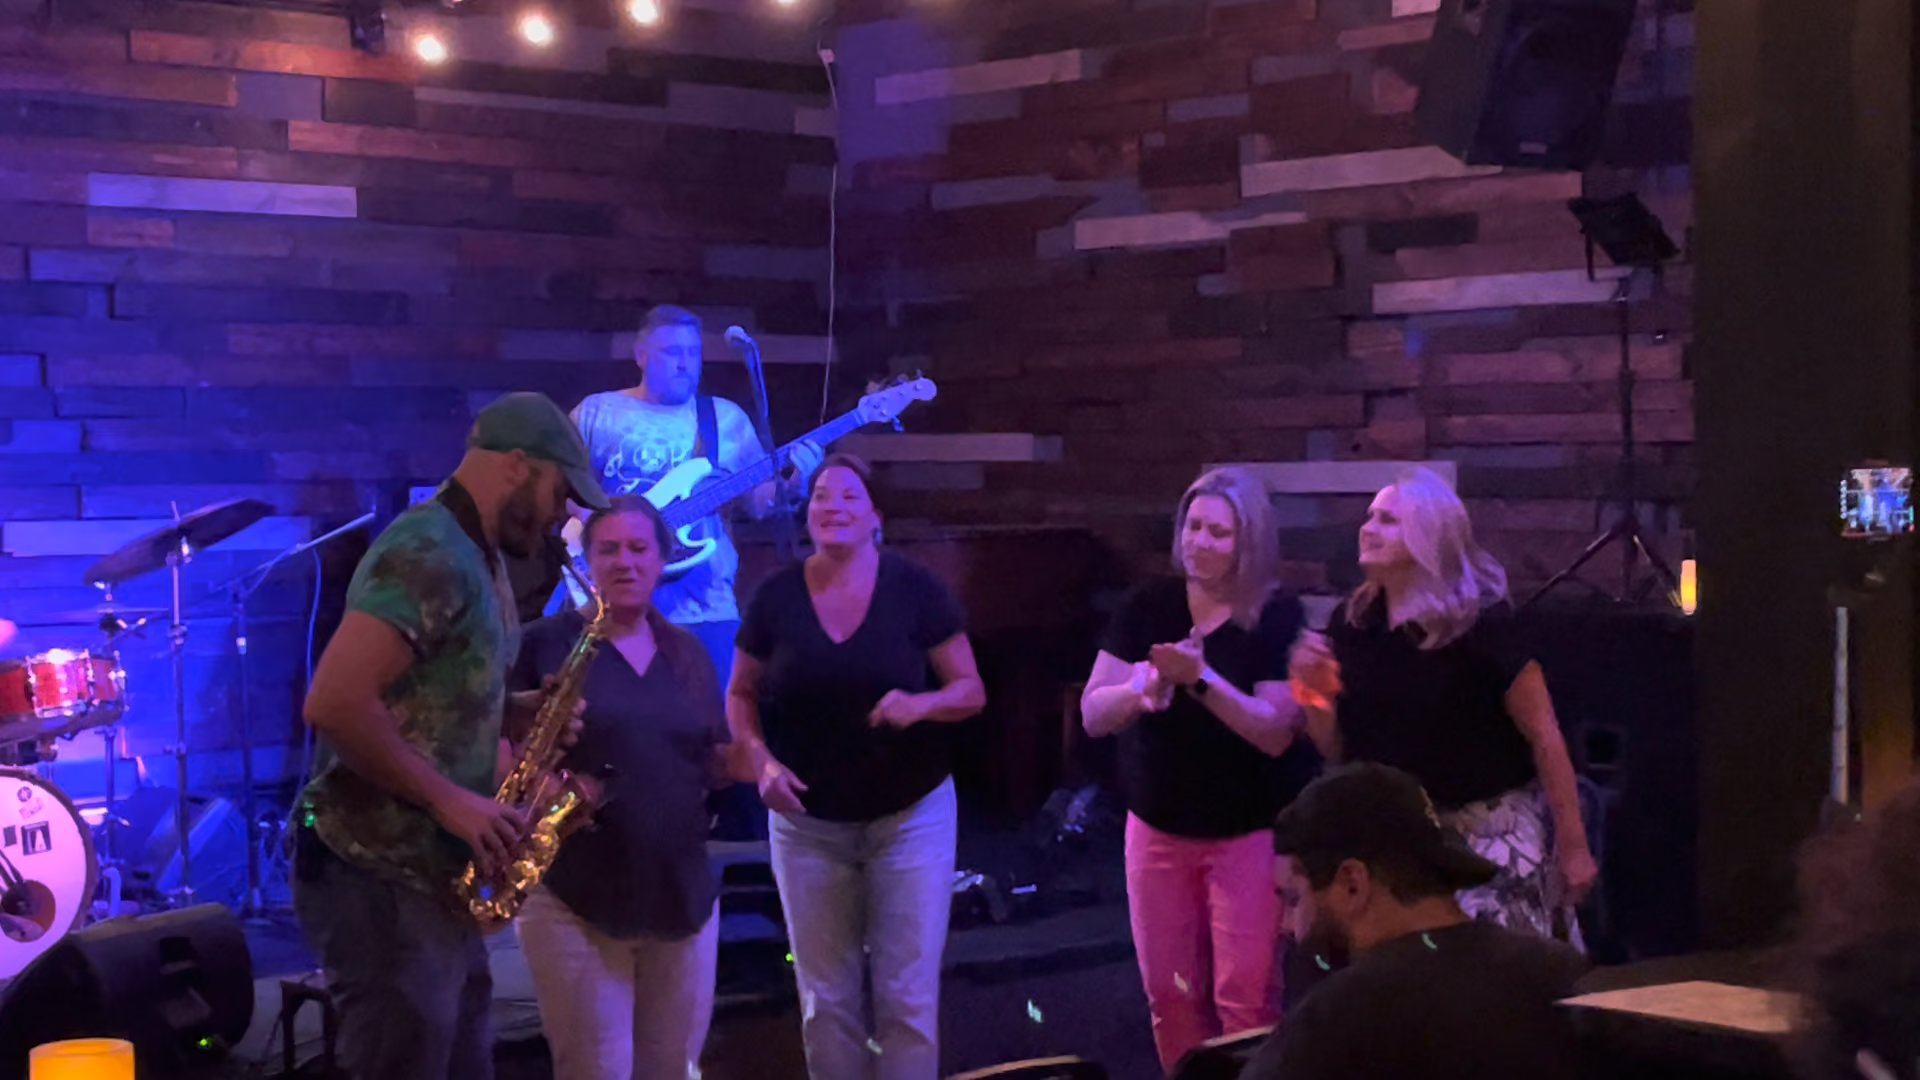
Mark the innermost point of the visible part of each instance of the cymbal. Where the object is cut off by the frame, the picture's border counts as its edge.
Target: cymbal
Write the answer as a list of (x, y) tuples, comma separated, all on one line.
[(95, 616), (203, 528)]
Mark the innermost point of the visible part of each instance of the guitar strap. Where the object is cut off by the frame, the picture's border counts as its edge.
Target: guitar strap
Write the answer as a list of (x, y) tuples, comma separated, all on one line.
[(709, 428)]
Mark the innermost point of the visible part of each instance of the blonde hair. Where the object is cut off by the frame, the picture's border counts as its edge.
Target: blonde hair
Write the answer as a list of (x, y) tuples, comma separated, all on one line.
[(1256, 541), (1454, 580)]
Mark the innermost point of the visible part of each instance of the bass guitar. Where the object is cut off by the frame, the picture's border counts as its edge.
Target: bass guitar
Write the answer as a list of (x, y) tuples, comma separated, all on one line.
[(692, 491)]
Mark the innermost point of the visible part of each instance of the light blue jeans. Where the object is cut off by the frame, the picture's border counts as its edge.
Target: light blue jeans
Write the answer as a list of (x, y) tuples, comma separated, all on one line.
[(869, 899)]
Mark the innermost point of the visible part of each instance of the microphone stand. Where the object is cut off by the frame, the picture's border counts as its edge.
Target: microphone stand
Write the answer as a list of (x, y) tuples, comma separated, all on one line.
[(239, 590)]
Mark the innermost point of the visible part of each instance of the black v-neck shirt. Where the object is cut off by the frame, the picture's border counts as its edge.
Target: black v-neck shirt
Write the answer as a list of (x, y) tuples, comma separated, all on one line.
[(815, 694), (642, 868), (1183, 771)]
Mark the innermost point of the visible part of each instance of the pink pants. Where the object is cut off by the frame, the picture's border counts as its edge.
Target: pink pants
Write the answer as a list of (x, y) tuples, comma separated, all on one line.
[(1206, 921)]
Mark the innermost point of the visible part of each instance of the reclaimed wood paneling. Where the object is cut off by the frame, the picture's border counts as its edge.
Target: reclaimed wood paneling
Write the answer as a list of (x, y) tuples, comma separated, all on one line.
[(1269, 266), (227, 196), (1011, 74)]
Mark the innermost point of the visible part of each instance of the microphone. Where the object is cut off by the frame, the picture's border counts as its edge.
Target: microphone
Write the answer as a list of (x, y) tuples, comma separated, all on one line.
[(739, 338)]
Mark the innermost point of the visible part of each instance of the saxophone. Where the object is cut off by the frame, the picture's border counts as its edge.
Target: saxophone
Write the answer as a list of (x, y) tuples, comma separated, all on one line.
[(554, 802)]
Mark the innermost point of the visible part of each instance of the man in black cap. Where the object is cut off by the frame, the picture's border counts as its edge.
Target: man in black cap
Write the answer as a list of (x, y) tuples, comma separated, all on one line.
[(1367, 869), (409, 701)]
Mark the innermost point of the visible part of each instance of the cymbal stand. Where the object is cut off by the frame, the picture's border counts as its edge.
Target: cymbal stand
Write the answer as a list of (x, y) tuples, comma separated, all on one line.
[(181, 896), (239, 590)]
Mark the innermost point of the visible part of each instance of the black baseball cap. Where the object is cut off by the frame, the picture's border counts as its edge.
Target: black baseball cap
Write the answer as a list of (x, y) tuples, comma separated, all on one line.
[(1366, 811), (532, 423)]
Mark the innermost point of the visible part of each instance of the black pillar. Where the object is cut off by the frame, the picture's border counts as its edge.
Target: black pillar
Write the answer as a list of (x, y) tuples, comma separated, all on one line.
[(1803, 363)]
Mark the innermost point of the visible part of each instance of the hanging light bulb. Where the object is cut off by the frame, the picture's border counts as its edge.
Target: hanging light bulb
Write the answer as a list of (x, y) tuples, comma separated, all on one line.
[(431, 48), (644, 12), (537, 29)]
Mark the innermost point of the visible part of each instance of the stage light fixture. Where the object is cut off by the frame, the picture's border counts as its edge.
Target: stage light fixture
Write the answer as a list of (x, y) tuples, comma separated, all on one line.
[(537, 29), (430, 48), (644, 12)]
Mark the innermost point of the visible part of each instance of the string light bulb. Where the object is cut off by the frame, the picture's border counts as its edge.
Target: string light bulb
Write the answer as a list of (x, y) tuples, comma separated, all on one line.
[(537, 29), (430, 48), (644, 12)]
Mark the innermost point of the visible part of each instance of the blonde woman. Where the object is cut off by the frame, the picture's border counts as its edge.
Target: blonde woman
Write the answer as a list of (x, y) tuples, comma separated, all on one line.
[(1192, 677), (1422, 670)]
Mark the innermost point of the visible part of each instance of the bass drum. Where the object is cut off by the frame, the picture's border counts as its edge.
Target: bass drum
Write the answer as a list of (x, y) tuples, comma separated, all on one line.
[(47, 872)]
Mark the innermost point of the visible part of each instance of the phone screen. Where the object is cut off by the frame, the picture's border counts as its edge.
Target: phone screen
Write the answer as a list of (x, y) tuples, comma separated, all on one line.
[(1876, 502)]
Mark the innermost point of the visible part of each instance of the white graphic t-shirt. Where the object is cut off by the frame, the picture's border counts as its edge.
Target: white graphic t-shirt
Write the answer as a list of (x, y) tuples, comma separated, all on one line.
[(634, 444)]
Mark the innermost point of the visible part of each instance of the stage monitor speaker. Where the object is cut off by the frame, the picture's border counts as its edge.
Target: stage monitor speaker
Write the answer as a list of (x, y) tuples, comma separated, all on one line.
[(1522, 82), (178, 985), (150, 842)]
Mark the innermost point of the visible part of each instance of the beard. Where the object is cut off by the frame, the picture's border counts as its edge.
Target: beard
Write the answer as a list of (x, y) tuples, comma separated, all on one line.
[(1327, 940), (521, 523)]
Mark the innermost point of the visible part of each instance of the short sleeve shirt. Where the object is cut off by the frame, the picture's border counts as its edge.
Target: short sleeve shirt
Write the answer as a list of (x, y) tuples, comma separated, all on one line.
[(634, 444), (649, 737), (1182, 770), (815, 694), (1440, 714), (1468, 1002), (428, 578)]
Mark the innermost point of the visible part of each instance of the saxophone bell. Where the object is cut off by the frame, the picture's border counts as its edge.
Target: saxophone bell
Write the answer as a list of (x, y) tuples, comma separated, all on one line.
[(552, 801)]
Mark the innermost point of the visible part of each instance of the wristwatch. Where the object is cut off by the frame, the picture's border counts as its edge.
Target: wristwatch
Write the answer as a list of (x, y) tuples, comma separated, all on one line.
[(1200, 687)]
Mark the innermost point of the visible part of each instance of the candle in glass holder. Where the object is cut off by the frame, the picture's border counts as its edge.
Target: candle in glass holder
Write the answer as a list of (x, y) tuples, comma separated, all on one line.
[(82, 1059)]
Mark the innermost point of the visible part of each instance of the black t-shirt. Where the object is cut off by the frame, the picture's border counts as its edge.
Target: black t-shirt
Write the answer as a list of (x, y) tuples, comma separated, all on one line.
[(1469, 1002), (815, 695), (1182, 770), (642, 868), (1440, 714)]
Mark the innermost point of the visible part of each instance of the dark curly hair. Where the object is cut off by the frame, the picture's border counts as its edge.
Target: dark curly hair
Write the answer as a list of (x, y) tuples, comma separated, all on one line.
[(1858, 949)]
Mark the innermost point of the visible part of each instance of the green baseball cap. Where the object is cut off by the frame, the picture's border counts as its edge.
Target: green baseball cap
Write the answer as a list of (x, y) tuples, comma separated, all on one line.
[(532, 423)]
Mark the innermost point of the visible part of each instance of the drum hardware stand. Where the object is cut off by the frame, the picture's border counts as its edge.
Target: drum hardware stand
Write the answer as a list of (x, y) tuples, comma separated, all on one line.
[(239, 590), (182, 896)]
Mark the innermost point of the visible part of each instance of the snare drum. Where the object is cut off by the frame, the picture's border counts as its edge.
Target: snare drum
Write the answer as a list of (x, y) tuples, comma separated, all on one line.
[(58, 692)]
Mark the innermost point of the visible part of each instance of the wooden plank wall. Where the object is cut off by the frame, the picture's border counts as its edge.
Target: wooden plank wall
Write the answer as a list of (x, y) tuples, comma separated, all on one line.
[(240, 259), (1175, 234)]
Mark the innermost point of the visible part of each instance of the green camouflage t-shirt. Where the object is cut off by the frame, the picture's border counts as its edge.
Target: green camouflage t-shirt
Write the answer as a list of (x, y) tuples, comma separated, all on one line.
[(427, 578)]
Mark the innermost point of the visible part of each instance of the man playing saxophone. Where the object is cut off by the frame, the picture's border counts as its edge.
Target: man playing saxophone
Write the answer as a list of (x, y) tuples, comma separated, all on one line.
[(623, 936), (409, 701)]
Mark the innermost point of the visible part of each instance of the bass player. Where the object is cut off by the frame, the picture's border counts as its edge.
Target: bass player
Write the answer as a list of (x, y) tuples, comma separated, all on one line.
[(638, 435)]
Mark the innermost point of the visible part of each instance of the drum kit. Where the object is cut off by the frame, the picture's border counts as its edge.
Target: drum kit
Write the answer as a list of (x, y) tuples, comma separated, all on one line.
[(50, 864)]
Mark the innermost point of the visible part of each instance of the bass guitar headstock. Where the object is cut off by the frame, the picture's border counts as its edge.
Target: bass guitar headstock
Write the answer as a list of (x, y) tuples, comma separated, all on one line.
[(884, 403)]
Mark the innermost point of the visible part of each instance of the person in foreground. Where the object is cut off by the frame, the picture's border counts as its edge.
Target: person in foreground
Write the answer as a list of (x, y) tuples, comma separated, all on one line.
[(1423, 669), (1192, 676), (623, 938), (1368, 869), (409, 701), (1858, 947), (833, 706)]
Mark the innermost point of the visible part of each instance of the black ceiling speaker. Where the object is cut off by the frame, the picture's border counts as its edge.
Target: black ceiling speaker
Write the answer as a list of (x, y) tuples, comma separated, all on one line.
[(1522, 82), (178, 985)]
